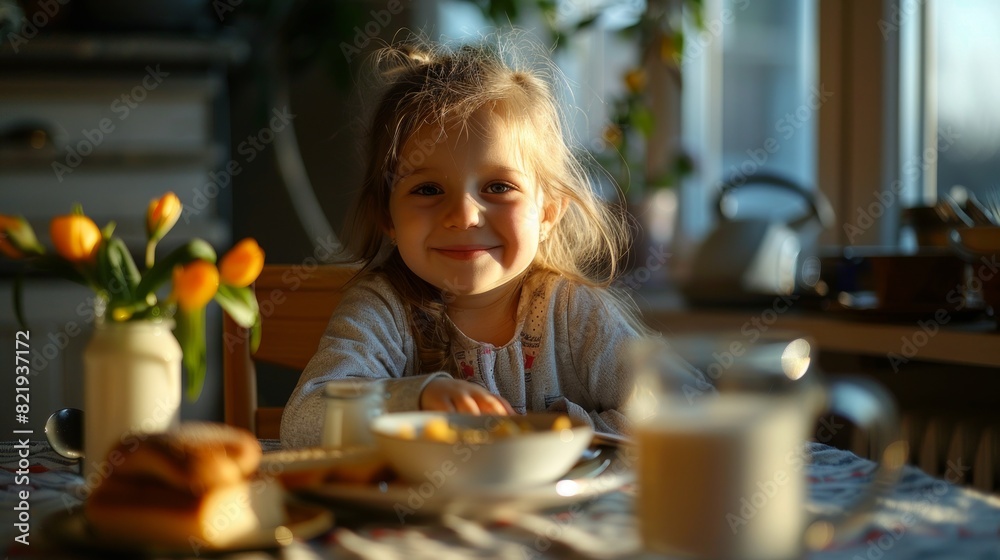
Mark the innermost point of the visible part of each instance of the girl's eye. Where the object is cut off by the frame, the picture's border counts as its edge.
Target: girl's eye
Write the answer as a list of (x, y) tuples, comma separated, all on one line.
[(427, 190), (499, 188)]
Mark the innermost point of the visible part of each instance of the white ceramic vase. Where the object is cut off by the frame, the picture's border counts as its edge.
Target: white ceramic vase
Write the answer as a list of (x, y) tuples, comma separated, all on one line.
[(132, 386)]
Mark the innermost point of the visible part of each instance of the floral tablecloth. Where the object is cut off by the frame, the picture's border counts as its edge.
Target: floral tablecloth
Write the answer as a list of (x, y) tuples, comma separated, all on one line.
[(922, 518)]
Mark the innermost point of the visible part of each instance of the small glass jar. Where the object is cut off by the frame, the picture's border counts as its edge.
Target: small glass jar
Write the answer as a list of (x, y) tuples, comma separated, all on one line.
[(350, 406)]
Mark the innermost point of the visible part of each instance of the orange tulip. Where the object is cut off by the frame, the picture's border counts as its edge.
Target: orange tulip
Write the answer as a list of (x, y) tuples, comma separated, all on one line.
[(635, 80), (75, 237), (17, 239), (668, 49), (163, 213), (242, 264), (612, 134), (195, 284)]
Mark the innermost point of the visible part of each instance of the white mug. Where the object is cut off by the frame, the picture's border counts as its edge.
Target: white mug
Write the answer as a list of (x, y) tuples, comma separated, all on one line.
[(721, 474)]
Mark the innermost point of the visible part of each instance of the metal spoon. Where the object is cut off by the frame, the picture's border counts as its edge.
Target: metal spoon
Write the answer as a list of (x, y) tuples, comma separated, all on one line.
[(951, 213), (64, 430), (980, 214), (593, 462)]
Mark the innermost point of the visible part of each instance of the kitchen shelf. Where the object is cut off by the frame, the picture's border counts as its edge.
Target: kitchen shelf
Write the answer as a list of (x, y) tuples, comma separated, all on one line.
[(65, 48), (34, 160), (967, 343)]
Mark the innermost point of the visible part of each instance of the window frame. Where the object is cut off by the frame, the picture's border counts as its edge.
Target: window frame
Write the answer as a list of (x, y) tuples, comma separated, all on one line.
[(875, 53)]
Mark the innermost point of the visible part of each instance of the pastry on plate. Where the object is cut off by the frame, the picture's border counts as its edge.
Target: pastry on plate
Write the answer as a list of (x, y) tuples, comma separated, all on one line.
[(196, 486)]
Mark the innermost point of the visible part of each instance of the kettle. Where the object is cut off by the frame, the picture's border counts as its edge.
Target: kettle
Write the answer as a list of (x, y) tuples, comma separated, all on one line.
[(752, 260)]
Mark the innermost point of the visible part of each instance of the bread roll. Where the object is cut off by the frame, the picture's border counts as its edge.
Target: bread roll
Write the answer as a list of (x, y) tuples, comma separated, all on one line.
[(195, 457), (196, 486), (221, 517)]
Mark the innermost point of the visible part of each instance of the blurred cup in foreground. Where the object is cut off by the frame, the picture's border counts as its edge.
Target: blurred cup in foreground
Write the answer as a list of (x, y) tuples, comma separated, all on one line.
[(351, 404), (722, 473)]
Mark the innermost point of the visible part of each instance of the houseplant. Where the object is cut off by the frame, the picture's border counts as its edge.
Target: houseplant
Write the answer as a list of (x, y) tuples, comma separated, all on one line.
[(132, 363), (98, 259), (143, 331)]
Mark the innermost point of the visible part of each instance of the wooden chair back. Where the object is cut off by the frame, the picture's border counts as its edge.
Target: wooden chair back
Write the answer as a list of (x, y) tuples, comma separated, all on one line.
[(295, 304)]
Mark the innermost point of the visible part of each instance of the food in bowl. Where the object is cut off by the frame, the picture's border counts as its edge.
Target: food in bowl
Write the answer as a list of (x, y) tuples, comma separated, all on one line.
[(439, 429), (452, 452)]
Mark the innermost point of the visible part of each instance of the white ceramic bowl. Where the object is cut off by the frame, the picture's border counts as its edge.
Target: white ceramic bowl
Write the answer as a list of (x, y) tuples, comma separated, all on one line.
[(538, 456)]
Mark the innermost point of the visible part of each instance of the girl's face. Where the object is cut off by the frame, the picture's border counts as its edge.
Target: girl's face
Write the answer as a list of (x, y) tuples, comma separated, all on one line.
[(467, 213)]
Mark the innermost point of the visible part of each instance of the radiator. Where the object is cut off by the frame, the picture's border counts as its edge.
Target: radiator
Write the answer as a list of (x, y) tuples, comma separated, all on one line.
[(962, 450)]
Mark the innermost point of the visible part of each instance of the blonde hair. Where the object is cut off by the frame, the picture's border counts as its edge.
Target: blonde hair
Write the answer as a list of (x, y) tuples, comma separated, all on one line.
[(424, 83)]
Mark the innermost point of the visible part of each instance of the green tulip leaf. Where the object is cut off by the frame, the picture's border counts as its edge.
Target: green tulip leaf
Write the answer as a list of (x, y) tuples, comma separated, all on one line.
[(190, 334), (196, 249), (239, 303), (103, 269), (111, 273), (55, 265), (255, 335), (129, 270)]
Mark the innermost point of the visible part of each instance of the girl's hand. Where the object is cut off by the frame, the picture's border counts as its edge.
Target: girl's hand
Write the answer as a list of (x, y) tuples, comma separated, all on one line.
[(452, 395)]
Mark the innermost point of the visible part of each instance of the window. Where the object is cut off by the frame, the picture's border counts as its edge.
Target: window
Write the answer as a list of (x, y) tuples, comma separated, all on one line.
[(592, 62), (750, 104), (764, 119), (856, 97), (917, 76), (963, 45)]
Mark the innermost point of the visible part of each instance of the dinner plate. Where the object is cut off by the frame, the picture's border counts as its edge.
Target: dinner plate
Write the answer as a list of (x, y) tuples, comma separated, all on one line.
[(69, 528), (429, 499)]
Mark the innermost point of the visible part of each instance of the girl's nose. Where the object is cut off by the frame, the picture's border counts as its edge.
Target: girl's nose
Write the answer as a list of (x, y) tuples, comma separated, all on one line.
[(464, 212)]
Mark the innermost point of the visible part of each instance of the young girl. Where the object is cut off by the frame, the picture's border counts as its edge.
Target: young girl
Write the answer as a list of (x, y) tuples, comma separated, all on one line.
[(486, 254)]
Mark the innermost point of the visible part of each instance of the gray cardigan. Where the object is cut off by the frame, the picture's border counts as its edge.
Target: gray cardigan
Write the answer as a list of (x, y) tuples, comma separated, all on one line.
[(567, 355)]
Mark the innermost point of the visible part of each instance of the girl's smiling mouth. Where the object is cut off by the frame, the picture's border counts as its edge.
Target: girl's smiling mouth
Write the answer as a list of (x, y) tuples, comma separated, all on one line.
[(464, 252)]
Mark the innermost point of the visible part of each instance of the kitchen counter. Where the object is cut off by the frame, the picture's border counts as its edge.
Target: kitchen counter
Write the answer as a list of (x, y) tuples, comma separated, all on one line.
[(941, 337)]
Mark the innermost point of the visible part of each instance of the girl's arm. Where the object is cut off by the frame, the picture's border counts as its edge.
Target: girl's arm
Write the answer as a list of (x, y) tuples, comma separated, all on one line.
[(368, 337), (599, 338)]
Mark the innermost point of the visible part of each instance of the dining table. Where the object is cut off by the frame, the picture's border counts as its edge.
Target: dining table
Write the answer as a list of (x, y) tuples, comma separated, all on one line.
[(919, 517)]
